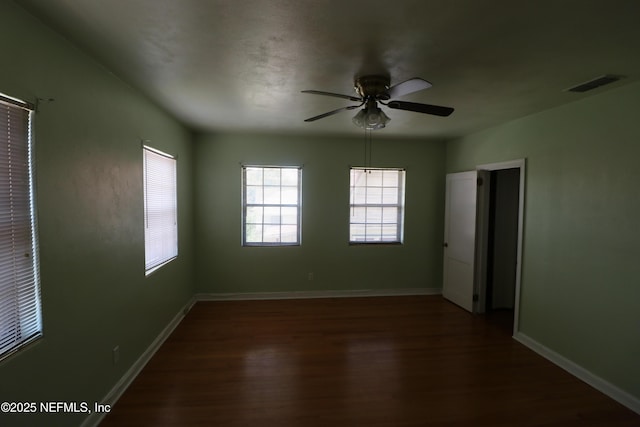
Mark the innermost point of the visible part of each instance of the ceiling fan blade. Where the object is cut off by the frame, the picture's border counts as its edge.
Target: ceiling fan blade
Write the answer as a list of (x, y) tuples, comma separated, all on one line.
[(407, 87), (319, 92), (330, 113), (436, 110)]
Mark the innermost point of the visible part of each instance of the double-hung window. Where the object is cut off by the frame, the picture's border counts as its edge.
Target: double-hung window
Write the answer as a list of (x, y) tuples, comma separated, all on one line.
[(271, 205), (376, 205), (160, 209), (20, 314)]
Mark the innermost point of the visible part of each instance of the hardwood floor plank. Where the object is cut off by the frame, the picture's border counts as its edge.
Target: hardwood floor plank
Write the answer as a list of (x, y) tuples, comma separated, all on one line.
[(377, 361)]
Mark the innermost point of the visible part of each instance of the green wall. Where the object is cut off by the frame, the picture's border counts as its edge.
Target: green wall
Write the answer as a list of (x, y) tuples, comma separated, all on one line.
[(224, 266), (90, 210), (580, 287), (580, 272)]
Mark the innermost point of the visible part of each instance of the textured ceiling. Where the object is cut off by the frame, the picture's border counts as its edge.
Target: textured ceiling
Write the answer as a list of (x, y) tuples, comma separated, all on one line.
[(228, 65)]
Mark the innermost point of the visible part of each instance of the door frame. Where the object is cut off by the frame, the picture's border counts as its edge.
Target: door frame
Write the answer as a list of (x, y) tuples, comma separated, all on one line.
[(481, 249)]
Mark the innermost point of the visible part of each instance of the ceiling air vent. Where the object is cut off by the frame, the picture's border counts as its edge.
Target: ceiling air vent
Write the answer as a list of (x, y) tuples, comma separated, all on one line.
[(595, 83)]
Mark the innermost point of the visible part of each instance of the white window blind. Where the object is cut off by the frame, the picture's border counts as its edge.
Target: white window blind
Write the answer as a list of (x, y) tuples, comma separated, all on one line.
[(376, 205), (160, 209), (20, 315), (271, 206)]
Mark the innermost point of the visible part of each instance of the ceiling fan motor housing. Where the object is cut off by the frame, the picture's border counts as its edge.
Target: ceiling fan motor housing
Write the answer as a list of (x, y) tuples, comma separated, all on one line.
[(376, 87), (372, 89)]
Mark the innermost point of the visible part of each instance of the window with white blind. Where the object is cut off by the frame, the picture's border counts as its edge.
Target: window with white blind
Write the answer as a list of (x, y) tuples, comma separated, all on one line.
[(271, 205), (160, 209), (376, 205), (20, 313)]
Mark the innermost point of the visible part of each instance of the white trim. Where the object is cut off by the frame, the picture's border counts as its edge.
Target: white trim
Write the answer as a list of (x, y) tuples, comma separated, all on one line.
[(510, 164), (121, 386), (581, 373), (515, 164), (316, 294), (152, 270), (156, 151)]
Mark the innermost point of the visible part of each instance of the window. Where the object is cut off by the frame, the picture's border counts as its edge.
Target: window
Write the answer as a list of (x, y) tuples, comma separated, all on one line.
[(376, 205), (160, 209), (271, 205), (20, 315)]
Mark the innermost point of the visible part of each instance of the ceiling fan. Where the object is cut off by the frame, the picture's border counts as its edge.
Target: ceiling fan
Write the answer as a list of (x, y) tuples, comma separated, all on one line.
[(375, 89)]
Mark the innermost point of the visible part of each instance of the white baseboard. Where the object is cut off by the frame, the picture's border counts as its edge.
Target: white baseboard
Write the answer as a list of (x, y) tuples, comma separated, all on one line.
[(581, 373), (316, 294), (114, 394)]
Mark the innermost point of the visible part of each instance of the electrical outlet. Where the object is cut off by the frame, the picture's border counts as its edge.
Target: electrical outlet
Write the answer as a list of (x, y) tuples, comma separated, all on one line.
[(310, 276), (116, 354)]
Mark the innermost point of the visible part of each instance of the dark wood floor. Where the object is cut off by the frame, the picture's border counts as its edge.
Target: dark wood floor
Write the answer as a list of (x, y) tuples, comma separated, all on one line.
[(388, 361)]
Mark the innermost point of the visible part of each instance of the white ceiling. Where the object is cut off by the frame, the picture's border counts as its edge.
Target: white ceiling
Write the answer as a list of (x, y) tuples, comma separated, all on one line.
[(227, 65)]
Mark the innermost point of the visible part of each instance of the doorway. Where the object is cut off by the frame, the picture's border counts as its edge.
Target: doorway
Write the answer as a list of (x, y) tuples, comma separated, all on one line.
[(483, 239), (502, 246), (499, 245)]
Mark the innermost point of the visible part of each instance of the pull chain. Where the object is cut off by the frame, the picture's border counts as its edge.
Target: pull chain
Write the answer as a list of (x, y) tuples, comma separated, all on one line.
[(368, 148)]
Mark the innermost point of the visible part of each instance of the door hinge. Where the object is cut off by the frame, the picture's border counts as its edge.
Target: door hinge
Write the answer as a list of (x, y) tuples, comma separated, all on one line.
[(475, 297), (480, 181)]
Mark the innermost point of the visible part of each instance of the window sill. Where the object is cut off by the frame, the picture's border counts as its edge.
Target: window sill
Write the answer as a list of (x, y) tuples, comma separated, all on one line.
[(376, 243), (152, 270)]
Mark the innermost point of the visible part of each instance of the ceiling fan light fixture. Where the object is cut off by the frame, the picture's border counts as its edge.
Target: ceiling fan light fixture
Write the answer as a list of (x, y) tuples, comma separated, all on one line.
[(376, 88), (371, 118)]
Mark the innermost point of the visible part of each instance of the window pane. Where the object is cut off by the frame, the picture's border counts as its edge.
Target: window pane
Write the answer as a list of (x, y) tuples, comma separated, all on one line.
[(374, 195), (390, 178), (272, 195), (272, 176), (160, 208), (289, 195), (374, 178), (271, 233), (358, 215), (290, 177), (271, 206), (357, 233), (254, 215), (289, 234), (358, 178), (373, 231), (254, 195), (289, 215), (271, 215), (376, 211), (390, 196), (20, 316), (374, 215), (253, 233), (390, 215), (358, 195), (389, 233), (254, 176)]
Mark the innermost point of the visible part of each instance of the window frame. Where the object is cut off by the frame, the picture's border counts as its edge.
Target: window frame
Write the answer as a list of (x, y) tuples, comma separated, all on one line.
[(24, 313), (399, 205), (246, 205), (151, 267)]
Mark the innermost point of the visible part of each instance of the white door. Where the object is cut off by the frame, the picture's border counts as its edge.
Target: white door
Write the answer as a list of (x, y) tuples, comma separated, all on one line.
[(459, 238)]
